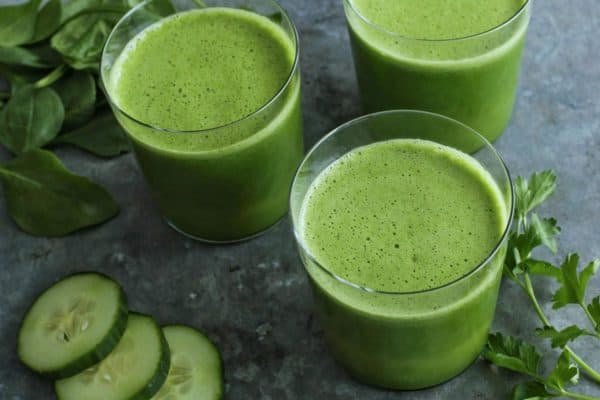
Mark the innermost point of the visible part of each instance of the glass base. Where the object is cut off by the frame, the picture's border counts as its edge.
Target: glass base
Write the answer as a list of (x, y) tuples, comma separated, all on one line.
[(228, 241), (403, 388)]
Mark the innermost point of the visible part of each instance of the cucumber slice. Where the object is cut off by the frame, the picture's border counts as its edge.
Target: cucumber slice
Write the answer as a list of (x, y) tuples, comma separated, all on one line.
[(196, 368), (135, 370), (73, 325)]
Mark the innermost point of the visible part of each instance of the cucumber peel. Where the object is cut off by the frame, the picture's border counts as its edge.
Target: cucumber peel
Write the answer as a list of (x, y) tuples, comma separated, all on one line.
[(73, 325), (196, 367), (135, 370)]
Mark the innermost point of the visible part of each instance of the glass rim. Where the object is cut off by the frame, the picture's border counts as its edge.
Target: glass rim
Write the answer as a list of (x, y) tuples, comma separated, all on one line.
[(479, 266), (267, 104), (517, 14)]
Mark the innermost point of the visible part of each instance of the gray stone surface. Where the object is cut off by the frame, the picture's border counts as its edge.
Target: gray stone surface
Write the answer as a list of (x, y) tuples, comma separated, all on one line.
[(252, 298)]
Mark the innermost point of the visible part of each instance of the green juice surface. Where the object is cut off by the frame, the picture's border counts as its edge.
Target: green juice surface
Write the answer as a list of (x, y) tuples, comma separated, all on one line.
[(457, 58), (437, 19), (402, 216), (202, 69), (221, 68), (403, 224)]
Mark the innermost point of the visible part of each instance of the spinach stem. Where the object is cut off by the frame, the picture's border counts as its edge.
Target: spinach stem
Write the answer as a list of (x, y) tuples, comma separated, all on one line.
[(591, 372), (52, 77)]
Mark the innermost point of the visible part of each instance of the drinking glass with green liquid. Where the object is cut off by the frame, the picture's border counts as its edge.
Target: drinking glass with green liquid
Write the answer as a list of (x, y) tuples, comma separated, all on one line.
[(458, 58), (403, 236), (209, 95)]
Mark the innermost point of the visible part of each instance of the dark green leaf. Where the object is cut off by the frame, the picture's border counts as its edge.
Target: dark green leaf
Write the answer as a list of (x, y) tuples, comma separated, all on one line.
[(31, 119), (563, 337), (531, 390), (45, 199), (532, 193), (79, 7), (26, 57), (546, 230), (48, 20), (512, 353), (573, 286), (19, 76), (102, 136), (82, 39), (17, 23), (77, 91), (594, 310), (564, 374)]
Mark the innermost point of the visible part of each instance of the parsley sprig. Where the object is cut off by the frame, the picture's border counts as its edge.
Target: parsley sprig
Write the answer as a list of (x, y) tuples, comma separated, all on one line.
[(529, 233)]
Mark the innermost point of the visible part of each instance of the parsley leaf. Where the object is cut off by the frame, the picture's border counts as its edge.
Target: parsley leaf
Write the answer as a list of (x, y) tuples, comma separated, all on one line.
[(541, 267), (564, 374), (520, 246), (511, 353), (531, 390), (532, 193), (561, 338), (594, 311), (573, 286), (545, 231)]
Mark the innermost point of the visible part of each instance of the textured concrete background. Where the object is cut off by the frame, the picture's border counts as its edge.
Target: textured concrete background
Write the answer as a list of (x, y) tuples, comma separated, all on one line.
[(253, 298)]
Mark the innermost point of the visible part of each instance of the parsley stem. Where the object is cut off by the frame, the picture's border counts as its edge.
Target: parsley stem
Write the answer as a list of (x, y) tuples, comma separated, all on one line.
[(590, 317), (578, 396), (52, 77), (536, 305), (591, 372)]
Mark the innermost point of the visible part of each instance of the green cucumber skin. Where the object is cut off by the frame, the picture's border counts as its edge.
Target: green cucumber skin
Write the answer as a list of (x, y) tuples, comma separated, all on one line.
[(219, 395), (162, 369), (99, 353), (160, 374)]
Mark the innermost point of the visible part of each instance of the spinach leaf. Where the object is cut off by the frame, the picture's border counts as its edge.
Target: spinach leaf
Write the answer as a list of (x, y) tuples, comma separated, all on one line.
[(48, 20), (18, 75), (39, 56), (21, 56), (82, 39), (31, 119), (102, 136), (17, 23), (45, 199), (76, 8), (77, 92)]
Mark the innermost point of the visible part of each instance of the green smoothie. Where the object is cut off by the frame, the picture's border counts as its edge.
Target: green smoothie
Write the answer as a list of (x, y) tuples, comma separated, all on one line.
[(221, 131), (392, 219), (448, 57)]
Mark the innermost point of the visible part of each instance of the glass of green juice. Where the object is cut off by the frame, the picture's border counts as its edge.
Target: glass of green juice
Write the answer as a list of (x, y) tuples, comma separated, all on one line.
[(209, 95), (458, 58), (403, 236)]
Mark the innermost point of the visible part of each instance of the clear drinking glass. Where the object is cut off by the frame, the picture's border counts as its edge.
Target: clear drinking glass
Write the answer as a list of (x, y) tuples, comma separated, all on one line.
[(471, 79), (403, 340), (219, 194)]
